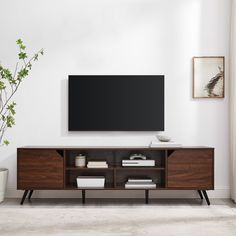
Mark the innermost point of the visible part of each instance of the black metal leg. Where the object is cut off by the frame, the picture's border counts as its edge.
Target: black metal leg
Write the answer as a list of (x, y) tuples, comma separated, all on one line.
[(206, 197), (200, 194), (30, 194), (146, 196), (83, 196), (24, 196)]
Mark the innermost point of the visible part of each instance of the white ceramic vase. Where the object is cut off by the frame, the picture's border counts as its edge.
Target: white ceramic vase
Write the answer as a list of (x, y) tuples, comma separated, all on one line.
[(3, 183)]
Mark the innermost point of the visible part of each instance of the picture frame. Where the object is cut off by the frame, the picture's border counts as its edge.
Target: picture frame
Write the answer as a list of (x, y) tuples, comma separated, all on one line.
[(208, 77)]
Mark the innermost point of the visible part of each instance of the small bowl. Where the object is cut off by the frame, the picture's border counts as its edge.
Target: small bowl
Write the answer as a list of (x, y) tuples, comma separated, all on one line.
[(163, 138)]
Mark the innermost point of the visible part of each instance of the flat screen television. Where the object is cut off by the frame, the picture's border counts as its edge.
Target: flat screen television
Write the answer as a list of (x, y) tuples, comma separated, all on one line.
[(116, 103)]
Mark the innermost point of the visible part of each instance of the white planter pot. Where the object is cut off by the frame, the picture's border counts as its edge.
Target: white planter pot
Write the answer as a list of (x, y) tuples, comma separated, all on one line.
[(3, 182)]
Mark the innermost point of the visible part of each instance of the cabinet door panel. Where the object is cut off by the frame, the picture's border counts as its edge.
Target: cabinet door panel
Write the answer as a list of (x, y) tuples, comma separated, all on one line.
[(191, 169), (40, 169)]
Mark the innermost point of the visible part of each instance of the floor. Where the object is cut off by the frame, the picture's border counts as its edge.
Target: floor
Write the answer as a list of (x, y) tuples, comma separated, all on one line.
[(125, 217)]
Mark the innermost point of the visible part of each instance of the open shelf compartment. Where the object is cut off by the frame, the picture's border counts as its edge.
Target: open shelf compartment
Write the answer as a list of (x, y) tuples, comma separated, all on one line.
[(115, 175), (91, 155), (157, 155)]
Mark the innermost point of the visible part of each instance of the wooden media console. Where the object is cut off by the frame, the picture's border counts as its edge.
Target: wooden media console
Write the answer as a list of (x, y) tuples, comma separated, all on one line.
[(51, 168)]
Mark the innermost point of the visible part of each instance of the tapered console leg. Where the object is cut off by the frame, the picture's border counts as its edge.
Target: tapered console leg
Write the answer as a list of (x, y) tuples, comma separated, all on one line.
[(206, 197), (146, 196), (83, 196), (200, 194), (24, 196), (30, 194)]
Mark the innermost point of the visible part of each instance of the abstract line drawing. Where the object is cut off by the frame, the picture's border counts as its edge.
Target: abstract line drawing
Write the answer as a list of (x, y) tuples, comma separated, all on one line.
[(208, 77)]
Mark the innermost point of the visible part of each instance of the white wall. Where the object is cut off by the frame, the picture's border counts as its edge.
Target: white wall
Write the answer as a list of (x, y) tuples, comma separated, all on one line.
[(116, 37)]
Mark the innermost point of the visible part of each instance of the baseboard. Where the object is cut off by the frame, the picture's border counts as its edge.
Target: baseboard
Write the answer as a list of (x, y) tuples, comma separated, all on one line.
[(223, 192)]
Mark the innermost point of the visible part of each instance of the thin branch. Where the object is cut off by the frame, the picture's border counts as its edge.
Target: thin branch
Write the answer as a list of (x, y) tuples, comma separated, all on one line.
[(1, 101), (33, 57), (14, 83), (2, 133), (5, 93), (2, 129), (9, 98), (14, 75)]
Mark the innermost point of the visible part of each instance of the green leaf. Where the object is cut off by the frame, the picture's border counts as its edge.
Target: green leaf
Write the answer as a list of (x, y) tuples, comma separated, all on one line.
[(41, 52), (22, 74), (36, 57), (11, 108), (2, 85), (12, 81), (5, 73), (22, 47), (30, 66), (19, 41), (10, 121), (22, 55), (6, 142)]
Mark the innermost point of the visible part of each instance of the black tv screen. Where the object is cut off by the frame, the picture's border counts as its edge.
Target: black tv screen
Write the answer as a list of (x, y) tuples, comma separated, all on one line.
[(116, 102)]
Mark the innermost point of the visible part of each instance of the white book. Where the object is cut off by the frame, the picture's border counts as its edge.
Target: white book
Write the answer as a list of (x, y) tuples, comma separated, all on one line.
[(90, 177), (143, 187), (140, 185), (132, 165), (94, 166), (90, 181), (139, 163), (97, 163), (133, 180)]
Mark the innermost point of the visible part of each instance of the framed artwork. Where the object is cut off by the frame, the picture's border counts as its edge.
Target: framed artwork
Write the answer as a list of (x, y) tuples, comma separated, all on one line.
[(208, 77)]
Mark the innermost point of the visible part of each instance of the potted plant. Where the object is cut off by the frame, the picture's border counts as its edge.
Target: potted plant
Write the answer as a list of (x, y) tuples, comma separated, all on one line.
[(9, 84)]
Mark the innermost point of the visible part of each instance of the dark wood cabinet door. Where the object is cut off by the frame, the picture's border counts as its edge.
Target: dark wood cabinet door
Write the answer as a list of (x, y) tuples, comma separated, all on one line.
[(191, 169), (40, 169)]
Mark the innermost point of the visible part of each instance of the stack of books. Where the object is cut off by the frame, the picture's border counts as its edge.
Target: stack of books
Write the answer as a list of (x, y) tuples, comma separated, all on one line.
[(90, 181), (97, 164), (140, 183), (138, 162), (169, 144)]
